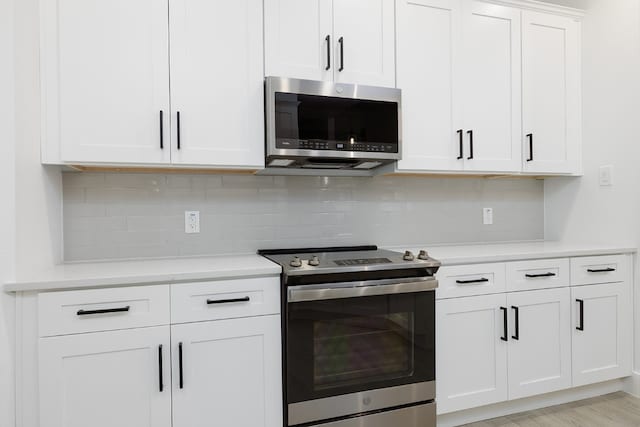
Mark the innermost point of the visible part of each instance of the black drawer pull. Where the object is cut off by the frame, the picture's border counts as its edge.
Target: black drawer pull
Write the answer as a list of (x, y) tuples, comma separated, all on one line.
[(468, 282), (505, 336), (341, 42), (601, 270), (517, 322), (227, 301), (533, 276), (530, 136), (461, 142), (181, 376), (103, 311), (581, 326), (328, 40), (470, 133), (160, 379), (161, 130)]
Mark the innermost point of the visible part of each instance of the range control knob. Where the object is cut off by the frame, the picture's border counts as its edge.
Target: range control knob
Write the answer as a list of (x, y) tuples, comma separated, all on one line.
[(408, 256), (423, 255), (314, 261), (296, 262)]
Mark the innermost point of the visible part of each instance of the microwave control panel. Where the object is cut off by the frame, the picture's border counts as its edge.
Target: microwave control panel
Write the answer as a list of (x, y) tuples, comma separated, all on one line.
[(308, 144)]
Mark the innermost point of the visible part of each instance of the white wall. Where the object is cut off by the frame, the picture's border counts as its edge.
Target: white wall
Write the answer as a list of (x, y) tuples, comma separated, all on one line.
[(7, 241)]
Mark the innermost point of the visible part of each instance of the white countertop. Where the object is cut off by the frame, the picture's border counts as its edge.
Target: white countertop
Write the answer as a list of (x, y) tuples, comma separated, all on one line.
[(175, 270)]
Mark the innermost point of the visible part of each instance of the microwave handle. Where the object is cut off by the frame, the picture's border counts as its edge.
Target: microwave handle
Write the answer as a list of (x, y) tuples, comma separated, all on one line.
[(338, 291)]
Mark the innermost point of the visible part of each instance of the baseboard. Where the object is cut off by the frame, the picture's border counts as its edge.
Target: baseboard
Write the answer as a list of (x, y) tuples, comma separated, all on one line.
[(629, 385)]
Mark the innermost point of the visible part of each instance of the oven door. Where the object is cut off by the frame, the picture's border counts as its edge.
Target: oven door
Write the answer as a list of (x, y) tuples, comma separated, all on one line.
[(359, 347)]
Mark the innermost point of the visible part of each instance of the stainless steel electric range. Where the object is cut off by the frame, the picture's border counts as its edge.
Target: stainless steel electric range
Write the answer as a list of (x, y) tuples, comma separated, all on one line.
[(358, 337)]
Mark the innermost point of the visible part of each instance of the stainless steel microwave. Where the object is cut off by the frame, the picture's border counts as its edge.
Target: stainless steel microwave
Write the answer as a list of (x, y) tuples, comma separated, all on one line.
[(316, 125)]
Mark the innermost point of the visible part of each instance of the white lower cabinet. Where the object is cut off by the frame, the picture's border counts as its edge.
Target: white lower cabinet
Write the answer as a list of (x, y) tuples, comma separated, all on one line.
[(539, 343), (601, 332), (106, 379), (227, 371)]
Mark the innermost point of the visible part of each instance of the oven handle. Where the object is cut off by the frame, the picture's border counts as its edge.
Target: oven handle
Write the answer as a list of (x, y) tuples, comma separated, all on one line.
[(361, 289)]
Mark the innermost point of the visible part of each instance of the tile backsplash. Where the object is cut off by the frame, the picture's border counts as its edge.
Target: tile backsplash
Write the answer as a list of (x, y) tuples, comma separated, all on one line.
[(114, 215)]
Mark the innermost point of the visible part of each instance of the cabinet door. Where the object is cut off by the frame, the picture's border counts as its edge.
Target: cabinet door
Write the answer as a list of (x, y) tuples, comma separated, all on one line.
[(217, 83), (106, 379), (551, 93), (429, 45), (471, 360), (364, 33), (105, 81), (601, 330), (492, 94), (228, 370), (298, 39), (540, 342)]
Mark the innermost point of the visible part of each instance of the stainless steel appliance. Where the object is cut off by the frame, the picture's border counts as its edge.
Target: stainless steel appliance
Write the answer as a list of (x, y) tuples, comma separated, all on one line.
[(314, 125), (358, 337)]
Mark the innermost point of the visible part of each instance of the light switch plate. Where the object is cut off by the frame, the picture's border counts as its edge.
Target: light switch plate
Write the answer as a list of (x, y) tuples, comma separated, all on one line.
[(191, 222), (487, 216), (605, 176)]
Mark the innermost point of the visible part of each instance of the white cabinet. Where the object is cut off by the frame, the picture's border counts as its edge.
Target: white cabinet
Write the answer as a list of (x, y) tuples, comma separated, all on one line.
[(601, 332), (540, 344), (551, 93), (458, 66), (217, 83), (106, 379), (471, 358), (349, 41), (228, 370), (105, 81)]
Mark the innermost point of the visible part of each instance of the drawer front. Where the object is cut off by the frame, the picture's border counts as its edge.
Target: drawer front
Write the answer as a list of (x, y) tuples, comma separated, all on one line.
[(94, 310), (468, 280), (225, 299), (599, 269), (537, 274)]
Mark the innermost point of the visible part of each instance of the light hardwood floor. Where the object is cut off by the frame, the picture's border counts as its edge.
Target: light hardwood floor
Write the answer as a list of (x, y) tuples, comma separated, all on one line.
[(615, 410)]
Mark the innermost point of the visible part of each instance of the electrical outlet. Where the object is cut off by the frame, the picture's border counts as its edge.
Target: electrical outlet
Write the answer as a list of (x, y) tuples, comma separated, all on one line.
[(191, 222), (605, 176), (487, 216)]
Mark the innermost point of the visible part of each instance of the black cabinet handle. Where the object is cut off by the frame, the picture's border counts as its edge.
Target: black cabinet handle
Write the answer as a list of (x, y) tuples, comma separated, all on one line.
[(468, 282), (461, 142), (530, 136), (505, 336), (160, 381), (470, 133), (178, 127), (161, 130), (601, 270), (227, 301), (328, 40), (103, 311), (517, 322), (532, 276), (180, 373), (581, 326), (341, 41)]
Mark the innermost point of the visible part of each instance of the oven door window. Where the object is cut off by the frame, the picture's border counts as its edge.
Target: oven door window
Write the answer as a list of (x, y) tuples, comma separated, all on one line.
[(349, 345)]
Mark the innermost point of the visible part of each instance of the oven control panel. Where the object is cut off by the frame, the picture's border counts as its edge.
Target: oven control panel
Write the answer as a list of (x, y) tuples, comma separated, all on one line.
[(362, 261)]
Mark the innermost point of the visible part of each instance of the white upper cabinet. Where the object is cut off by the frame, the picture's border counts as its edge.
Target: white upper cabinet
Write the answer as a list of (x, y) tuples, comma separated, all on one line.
[(428, 67), (492, 87), (105, 81), (349, 41), (217, 83), (551, 93)]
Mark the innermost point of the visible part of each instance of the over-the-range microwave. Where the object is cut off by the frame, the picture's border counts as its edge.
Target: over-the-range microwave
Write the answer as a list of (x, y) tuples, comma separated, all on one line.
[(325, 126)]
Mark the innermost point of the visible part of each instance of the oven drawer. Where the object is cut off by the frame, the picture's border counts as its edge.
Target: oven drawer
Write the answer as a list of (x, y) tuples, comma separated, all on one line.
[(599, 269), (468, 280), (537, 274), (93, 310), (414, 416), (225, 299)]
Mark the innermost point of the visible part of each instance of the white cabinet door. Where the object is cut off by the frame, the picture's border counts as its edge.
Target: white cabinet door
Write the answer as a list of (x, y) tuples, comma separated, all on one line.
[(217, 83), (227, 370), (540, 342), (428, 63), (551, 93), (492, 92), (105, 81), (106, 379), (364, 33), (471, 360), (602, 336)]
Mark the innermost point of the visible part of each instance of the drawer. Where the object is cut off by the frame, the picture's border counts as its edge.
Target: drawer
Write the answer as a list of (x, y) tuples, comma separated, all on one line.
[(94, 310), (537, 274), (224, 299), (599, 269), (468, 280)]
